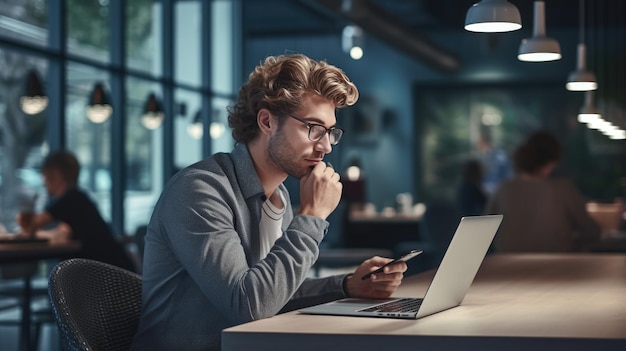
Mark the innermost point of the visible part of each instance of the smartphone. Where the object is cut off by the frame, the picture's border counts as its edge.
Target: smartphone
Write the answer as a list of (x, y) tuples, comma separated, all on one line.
[(404, 258)]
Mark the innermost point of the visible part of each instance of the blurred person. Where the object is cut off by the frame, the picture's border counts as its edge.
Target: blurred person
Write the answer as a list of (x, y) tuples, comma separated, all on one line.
[(471, 197), (494, 162), (76, 216), (224, 246), (541, 214)]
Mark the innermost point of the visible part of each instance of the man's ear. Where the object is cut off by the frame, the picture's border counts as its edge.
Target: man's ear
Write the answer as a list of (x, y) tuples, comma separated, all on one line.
[(265, 121)]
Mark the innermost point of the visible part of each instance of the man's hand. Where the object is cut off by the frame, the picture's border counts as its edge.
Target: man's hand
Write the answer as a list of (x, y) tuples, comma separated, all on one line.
[(378, 286), (320, 191)]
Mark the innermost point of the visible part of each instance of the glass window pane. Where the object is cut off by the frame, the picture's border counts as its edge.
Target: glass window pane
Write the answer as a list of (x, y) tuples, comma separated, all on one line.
[(187, 41), (25, 21), (22, 136), (188, 129), (90, 141), (222, 58), (144, 155), (143, 44), (221, 137), (87, 29)]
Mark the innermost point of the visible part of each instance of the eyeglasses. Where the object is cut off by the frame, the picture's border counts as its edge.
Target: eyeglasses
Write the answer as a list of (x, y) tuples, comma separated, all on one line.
[(317, 131)]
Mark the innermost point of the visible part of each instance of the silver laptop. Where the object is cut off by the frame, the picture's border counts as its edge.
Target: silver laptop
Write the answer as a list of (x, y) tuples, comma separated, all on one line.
[(453, 278)]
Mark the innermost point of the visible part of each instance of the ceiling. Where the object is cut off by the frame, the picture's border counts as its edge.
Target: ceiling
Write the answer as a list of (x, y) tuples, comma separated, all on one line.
[(295, 17), (405, 24)]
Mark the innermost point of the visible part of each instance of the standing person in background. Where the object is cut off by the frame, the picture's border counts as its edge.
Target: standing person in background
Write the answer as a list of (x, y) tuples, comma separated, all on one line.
[(540, 214), (494, 161), (77, 216), (223, 245), (471, 198)]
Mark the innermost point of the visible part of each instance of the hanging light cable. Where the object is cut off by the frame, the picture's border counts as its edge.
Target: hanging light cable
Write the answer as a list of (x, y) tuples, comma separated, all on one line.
[(581, 79)]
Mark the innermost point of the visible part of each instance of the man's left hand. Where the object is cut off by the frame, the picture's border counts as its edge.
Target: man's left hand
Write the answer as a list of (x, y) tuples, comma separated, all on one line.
[(379, 285)]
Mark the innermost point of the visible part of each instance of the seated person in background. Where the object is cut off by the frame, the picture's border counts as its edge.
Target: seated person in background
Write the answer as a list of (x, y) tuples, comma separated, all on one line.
[(77, 215), (224, 246), (540, 214), (471, 198)]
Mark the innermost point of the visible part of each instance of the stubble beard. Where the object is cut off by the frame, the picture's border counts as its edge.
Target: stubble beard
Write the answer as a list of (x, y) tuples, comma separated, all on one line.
[(284, 158)]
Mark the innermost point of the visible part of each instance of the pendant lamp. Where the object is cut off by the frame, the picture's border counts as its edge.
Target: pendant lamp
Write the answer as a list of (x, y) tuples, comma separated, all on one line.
[(539, 47), (34, 99), (581, 79), (619, 134), (588, 113), (99, 108), (153, 115), (195, 129), (493, 16), (352, 41)]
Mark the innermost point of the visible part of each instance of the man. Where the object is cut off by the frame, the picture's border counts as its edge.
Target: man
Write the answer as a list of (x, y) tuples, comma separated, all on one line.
[(76, 215), (223, 246), (541, 213)]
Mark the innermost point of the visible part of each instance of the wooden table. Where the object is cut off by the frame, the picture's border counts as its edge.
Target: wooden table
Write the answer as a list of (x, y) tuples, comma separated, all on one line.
[(20, 252), (517, 302), (23, 252)]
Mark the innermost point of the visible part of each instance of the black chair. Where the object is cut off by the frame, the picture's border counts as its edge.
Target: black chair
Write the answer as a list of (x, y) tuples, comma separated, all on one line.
[(96, 306)]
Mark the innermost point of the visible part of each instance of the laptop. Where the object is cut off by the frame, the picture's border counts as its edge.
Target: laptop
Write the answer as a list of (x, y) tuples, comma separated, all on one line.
[(451, 282)]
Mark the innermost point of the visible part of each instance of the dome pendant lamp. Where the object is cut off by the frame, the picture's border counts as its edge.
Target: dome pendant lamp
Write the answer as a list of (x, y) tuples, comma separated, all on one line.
[(99, 108), (539, 48), (34, 99), (492, 16), (153, 115)]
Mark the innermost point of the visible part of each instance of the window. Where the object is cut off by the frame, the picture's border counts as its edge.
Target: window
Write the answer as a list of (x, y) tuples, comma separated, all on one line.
[(88, 140), (188, 45), (24, 21), (22, 136), (143, 25), (124, 165), (144, 155), (87, 29)]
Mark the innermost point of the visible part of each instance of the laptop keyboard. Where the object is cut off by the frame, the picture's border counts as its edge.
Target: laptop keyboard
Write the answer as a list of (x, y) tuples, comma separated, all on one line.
[(400, 305)]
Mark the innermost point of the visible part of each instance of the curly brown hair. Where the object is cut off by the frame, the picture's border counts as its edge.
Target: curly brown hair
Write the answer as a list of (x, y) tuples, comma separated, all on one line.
[(279, 84)]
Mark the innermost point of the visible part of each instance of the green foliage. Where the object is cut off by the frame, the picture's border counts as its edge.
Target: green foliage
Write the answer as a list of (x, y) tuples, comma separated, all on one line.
[(88, 22)]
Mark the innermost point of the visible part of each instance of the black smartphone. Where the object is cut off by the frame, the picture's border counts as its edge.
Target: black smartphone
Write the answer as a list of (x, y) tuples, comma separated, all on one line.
[(404, 258)]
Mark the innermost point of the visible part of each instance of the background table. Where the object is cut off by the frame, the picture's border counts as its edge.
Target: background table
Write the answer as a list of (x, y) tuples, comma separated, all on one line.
[(517, 302), (24, 252), (380, 231), (20, 252)]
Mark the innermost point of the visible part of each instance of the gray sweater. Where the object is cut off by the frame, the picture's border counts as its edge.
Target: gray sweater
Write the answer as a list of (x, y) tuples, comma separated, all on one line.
[(202, 271)]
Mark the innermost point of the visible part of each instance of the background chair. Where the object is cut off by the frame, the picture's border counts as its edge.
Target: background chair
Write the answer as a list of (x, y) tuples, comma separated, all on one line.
[(24, 295), (437, 228), (96, 305)]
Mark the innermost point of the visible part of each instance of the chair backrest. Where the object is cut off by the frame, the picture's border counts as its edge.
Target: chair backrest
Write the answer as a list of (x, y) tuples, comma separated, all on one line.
[(96, 305)]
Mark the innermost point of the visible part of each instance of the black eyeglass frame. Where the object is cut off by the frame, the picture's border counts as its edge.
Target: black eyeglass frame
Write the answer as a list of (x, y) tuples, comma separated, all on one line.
[(330, 131)]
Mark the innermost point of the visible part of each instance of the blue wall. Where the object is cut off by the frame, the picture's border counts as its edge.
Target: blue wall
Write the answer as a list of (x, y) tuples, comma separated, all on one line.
[(388, 76)]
